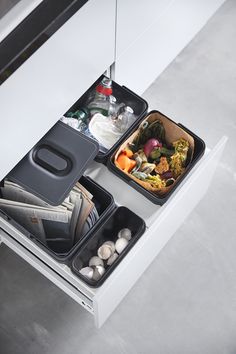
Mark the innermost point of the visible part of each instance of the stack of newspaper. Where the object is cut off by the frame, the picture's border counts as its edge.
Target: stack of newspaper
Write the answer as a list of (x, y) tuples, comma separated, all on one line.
[(65, 224)]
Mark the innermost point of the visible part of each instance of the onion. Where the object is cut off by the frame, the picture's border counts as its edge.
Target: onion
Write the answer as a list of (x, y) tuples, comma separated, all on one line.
[(150, 145)]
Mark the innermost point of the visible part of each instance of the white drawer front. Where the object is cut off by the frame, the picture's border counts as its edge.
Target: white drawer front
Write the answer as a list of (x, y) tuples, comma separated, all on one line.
[(50, 81), (162, 225), (137, 17), (139, 65)]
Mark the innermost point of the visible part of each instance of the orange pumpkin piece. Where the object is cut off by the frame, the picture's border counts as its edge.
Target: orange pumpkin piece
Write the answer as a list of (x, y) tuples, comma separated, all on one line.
[(132, 165), (125, 163), (128, 152)]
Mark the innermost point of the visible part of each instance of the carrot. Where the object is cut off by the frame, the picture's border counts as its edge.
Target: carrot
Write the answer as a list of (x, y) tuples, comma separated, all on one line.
[(131, 165), (128, 152), (125, 163)]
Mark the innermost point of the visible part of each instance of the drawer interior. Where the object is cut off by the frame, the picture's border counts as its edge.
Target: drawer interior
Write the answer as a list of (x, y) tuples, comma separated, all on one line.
[(111, 220)]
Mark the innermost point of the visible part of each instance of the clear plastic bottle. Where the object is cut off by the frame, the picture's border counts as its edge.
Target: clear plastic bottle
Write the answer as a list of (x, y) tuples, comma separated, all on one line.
[(100, 102), (113, 108), (124, 120)]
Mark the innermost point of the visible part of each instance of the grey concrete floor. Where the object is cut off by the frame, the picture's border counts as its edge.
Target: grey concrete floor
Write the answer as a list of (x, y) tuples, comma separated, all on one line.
[(187, 305)]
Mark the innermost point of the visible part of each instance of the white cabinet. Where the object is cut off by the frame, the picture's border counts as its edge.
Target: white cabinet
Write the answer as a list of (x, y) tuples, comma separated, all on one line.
[(148, 37), (134, 18), (53, 78), (160, 41)]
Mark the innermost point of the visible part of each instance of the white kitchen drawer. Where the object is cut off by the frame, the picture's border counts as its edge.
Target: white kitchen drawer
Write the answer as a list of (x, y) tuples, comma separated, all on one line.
[(50, 81), (161, 221), (153, 50), (137, 16)]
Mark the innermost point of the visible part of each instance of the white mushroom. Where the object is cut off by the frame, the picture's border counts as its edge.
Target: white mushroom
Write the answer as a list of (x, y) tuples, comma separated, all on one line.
[(125, 233), (112, 259), (104, 252), (87, 272), (121, 243), (98, 272), (95, 261), (112, 245)]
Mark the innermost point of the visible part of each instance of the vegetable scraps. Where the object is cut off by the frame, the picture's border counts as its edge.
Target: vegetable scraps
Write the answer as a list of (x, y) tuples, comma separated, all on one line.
[(125, 162), (150, 159)]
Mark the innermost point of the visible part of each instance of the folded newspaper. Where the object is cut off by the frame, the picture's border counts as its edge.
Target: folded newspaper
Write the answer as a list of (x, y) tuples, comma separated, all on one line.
[(65, 224)]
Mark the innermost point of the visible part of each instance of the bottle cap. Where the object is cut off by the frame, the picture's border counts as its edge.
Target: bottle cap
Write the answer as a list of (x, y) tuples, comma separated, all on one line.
[(105, 87), (80, 114), (107, 91), (129, 109), (106, 82)]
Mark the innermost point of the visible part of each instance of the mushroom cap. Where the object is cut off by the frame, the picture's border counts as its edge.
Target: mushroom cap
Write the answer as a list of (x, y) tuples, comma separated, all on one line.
[(104, 252), (87, 272), (95, 261), (121, 243), (112, 245), (98, 272), (112, 259), (125, 233)]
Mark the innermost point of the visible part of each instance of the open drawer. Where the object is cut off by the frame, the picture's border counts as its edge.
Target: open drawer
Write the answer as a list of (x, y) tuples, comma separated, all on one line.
[(102, 301), (41, 195)]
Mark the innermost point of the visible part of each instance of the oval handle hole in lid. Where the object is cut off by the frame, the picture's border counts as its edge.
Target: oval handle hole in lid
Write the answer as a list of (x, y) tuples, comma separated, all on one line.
[(52, 160)]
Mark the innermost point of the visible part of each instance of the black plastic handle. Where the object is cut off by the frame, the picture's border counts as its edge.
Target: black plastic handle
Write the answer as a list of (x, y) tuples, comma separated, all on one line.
[(52, 160)]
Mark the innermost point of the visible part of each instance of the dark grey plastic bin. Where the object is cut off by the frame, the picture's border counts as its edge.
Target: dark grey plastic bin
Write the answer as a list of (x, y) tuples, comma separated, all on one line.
[(199, 148), (50, 170), (63, 251), (123, 94), (120, 218)]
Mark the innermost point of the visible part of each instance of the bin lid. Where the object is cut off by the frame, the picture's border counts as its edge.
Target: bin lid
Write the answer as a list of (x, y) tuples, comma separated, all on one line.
[(55, 163)]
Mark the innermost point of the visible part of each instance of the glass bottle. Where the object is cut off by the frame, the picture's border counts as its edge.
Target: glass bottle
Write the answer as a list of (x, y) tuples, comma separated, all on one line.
[(124, 120), (100, 103)]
